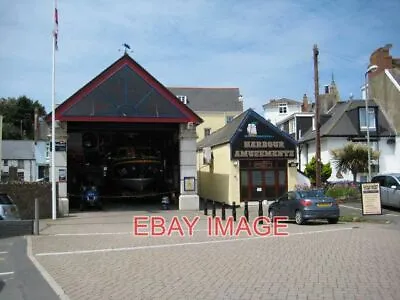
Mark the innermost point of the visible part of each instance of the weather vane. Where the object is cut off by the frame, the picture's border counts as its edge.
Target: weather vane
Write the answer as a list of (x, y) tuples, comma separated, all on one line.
[(126, 48)]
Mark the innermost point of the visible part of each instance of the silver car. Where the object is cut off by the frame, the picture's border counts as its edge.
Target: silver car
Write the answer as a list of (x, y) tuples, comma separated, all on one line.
[(8, 210), (390, 188)]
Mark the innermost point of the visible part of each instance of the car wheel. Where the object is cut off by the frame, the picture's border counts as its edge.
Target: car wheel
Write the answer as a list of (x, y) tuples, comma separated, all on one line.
[(333, 220), (299, 217)]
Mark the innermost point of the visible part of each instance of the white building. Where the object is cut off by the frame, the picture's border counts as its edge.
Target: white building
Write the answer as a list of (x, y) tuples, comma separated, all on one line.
[(21, 155), (345, 123), (278, 109)]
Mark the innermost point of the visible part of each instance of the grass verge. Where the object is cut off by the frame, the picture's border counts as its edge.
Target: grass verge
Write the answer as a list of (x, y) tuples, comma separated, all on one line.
[(363, 219)]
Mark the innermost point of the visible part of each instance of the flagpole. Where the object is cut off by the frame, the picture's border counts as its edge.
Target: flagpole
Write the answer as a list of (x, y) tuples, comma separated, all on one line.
[(53, 129)]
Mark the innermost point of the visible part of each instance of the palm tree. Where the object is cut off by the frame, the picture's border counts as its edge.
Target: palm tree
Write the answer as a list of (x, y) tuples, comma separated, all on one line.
[(352, 157)]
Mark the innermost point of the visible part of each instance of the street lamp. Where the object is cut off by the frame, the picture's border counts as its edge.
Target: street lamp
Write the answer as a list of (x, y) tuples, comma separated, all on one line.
[(370, 69)]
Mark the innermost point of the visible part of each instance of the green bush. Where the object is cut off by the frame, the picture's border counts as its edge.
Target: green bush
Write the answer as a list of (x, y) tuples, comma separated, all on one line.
[(344, 191)]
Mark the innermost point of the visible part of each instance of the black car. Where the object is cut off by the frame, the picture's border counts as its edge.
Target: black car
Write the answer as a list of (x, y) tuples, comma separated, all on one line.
[(303, 205)]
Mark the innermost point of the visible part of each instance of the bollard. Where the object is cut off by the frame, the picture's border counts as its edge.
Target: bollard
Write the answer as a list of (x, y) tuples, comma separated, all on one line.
[(205, 207), (246, 210), (213, 209), (234, 211), (260, 211), (223, 212), (36, 221)]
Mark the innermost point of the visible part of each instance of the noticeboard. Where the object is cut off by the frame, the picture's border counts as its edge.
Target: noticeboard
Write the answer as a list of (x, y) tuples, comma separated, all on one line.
[(371, 199)]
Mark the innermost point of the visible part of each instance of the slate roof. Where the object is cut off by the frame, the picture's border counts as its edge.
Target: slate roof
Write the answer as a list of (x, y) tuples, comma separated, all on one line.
[(17, 149), (124, 92), (339, 123), (210, 99), (276, 102), (225, 134)]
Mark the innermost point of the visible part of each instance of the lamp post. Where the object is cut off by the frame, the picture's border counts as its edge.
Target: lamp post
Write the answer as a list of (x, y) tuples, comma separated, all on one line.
[(370, 69)]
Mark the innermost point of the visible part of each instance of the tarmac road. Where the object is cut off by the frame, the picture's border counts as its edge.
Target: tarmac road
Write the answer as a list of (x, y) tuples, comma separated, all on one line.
[(19, 278)]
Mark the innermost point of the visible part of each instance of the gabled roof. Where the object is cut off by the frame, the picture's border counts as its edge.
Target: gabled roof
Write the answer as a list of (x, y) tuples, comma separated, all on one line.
[(125, 92), (207, 99), (17, 149), (340, 124), (276, 102), (227, 133)]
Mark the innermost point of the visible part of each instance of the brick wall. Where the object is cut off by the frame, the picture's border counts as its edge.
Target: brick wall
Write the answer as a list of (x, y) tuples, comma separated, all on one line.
[(24, 194)]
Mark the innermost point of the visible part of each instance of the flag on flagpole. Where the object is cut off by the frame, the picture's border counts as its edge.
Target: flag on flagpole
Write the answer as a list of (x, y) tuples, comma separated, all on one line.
[(55, 32)]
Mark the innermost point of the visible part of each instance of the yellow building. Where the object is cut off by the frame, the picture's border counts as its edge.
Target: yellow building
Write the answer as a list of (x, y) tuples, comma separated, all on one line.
[(216, 106), (248, 159)]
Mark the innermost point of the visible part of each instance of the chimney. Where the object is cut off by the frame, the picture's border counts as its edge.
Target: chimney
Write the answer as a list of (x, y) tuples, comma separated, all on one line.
[(305, 103), (326, 89), (382, 58)]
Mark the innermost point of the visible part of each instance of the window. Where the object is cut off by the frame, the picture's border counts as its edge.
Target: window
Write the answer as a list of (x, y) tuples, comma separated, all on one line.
[(282, 108), (20, 164), (229, 119), (207, 131), (183, 99), (5, 163), (291, 126), (390, 181), (20, 176), (371, 118)]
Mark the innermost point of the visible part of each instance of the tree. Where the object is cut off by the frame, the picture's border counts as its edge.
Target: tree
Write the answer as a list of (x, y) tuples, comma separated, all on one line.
[(310, 171), (353, 157), (18, 117)]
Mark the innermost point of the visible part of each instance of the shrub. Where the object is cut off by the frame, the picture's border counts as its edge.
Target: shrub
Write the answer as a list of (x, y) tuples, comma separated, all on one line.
[(344, 190)]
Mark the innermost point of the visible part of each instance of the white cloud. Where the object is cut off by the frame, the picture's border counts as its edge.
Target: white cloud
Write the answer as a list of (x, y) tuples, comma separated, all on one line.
[(262, 47)]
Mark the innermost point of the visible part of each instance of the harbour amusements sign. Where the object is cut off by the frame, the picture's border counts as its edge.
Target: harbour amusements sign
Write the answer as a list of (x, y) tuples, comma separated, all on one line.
[(259, 139)]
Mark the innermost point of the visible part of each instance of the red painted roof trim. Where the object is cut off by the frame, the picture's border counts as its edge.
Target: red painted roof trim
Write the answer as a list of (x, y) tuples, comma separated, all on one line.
[(122, 119), (107, 73)]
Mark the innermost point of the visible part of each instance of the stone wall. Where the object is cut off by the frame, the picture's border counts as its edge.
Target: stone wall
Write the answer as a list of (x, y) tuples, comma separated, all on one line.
[(16, 228), (23, 194)]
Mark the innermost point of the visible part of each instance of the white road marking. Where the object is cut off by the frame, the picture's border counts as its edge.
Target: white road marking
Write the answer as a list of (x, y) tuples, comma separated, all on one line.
[(6, 273), (351, 207), (3, 252), (50, 280), (182, 244), (105, 233)]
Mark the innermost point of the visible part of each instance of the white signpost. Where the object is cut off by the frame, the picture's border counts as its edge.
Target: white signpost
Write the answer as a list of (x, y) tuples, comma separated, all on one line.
[(371, 199)]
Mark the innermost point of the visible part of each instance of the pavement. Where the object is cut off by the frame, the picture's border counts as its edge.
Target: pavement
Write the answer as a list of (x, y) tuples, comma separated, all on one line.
[(19, 278), (355, 209), (95, 255)]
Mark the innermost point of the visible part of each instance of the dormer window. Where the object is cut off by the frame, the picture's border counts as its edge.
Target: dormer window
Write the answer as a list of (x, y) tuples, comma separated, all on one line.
[(183, 99), (371, 119), (283, 108)]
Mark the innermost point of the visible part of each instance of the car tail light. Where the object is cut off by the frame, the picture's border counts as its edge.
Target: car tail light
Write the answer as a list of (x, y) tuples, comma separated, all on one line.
[(306, 202)]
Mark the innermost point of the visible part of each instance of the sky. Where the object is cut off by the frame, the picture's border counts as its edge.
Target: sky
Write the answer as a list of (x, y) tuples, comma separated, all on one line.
[(263, 47)]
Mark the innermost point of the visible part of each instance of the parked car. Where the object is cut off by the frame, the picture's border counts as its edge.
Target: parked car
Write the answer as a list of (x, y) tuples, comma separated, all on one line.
[(390, 188), (304, 205), (8, 209)]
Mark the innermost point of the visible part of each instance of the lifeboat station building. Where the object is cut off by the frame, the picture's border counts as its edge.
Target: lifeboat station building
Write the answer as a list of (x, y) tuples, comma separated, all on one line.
[(126, 112), (249, 159)]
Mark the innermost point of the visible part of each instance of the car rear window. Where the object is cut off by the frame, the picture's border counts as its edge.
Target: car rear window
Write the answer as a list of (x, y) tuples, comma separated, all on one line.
[(4, 199), (311, 193)]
